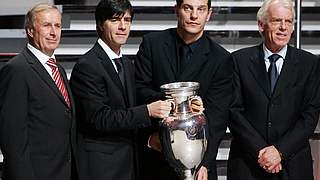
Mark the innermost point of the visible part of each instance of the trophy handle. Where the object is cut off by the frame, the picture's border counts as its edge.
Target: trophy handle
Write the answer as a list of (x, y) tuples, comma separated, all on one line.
[(197, 101), (173, 105)]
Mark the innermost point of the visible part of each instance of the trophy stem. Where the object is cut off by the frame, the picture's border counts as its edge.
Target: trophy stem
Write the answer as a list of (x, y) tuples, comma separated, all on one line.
[(188, 175)]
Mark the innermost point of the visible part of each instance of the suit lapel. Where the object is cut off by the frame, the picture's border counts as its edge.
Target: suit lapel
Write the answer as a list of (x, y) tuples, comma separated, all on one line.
[(198, 59), (43, 74), (109, 68), (170, 51), (288, 72), (107, 65), (258, 69)]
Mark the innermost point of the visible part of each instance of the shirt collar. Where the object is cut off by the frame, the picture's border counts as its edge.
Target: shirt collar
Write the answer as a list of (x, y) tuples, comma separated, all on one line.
[(193, 46), (108, 50), (267, 52), (43, 58)]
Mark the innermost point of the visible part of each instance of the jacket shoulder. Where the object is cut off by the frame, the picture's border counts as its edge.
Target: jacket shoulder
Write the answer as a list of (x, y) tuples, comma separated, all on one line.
[(246, 51), (304, 55), (159, 36), (215, 47), (17, 62)]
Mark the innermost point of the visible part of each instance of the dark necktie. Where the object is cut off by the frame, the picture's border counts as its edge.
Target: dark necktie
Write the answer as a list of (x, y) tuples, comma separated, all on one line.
[(272, 71), (185, 55), (119, 64), (58, 79)]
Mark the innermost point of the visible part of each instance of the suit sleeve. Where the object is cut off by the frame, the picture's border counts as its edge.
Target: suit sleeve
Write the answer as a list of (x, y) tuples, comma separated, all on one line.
[(216, 103), (93, 100), (143, 63), (239, 125), (14, 124), (298, 135), (146, 92)]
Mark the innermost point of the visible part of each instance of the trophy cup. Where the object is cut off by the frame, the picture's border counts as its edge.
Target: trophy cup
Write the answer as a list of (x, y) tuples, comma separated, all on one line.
[(182, 134)]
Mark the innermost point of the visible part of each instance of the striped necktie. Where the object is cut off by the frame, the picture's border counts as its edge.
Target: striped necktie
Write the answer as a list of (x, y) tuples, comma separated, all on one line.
[(58, 79)]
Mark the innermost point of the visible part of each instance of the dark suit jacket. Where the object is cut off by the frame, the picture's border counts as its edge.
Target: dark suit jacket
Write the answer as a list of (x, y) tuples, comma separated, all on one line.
[(211, 66), (285, 119), (107, 117), (36, 125)]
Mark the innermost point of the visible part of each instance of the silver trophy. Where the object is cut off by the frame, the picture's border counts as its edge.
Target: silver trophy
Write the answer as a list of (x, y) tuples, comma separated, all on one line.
[(183, 134)]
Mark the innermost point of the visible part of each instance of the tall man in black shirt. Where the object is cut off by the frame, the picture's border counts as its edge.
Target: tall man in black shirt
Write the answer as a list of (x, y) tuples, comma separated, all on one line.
[(185, 53)]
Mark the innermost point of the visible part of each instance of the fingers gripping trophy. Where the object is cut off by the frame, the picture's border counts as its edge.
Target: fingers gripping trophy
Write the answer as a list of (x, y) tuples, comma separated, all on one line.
[(183, 133)]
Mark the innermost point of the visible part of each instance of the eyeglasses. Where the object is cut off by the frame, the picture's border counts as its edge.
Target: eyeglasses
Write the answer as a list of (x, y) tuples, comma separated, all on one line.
[(278, 22)]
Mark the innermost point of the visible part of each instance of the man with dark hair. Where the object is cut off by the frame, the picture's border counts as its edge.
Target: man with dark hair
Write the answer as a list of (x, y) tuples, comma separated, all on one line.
[(184, 53), (104, 89), (37, 120), (179, 2), (276, 103)]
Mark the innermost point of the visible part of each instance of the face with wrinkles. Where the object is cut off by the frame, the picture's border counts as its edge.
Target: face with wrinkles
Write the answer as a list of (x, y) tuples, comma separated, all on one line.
[(46, 31), (278, 28)]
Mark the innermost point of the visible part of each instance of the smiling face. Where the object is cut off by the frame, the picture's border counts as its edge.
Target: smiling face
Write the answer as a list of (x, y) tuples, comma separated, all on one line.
[(278, 27), (192, 16), (115, 31), (45, 33)]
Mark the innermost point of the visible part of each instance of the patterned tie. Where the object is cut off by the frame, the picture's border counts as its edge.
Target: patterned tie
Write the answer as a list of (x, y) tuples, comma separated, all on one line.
[(58, 79), (118, 62), (272, 71)]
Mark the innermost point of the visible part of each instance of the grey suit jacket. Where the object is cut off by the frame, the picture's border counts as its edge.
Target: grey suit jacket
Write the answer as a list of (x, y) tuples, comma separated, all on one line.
[(36, 125)]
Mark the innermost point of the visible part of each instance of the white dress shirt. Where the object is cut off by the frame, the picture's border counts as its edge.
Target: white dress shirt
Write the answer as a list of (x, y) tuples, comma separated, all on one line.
[(43, 58), (279, 62), (112, 55)]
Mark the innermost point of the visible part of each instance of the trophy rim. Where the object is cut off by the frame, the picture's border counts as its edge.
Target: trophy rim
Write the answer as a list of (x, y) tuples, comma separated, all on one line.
[(180, 86)]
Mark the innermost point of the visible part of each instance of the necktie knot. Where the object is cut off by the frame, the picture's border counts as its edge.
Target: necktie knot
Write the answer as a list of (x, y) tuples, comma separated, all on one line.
[(273, 58), (52, 63), (118, 62)]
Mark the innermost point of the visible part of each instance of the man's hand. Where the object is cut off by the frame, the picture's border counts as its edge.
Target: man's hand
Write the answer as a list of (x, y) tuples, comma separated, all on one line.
[(202, 174), (159, 109), (269, 159), (154, 141)]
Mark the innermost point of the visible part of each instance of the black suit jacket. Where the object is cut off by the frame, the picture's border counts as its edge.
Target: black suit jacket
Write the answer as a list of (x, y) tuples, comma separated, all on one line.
[(211, 66), (107, 117), (285, 119), (36, 125)]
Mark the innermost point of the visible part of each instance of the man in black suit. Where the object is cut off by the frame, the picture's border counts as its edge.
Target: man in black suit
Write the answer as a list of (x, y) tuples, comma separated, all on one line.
[(37, 125), (276, 103), (184, 53), (104, 89)]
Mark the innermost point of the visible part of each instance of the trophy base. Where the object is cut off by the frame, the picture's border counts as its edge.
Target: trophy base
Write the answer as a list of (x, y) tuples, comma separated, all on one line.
[(188, 175)]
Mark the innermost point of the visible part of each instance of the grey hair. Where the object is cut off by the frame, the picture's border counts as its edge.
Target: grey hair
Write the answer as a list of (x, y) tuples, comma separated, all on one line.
[(263, 14), (31, 15)]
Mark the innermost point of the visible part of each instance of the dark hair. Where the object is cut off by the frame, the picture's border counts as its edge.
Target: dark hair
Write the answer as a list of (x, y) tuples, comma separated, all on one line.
[(179, 2), (108, 9)]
